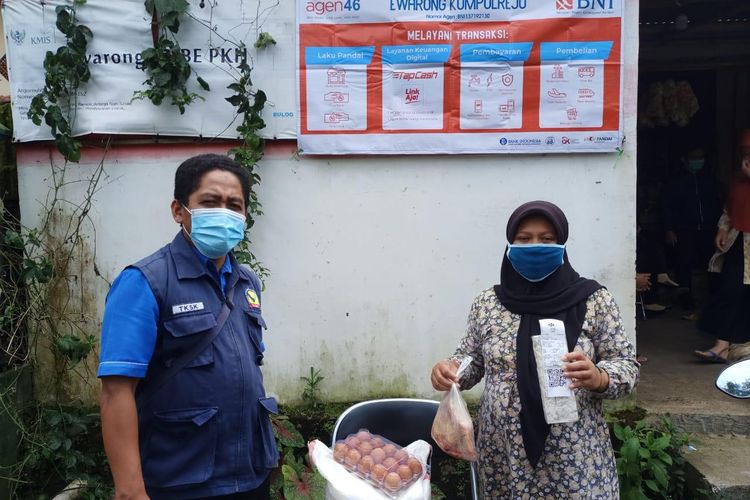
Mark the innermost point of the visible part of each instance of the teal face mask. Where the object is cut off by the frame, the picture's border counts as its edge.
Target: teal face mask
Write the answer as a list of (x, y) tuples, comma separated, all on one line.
[(535, 262), (696, 165), (216, 231)]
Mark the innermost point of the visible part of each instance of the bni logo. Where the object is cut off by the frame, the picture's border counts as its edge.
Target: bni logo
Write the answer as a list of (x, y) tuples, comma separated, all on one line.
[(564, 5)]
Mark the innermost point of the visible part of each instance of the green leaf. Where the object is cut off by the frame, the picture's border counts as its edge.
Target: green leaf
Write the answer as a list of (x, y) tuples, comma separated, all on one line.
[(54, 443), (179, 6), (203, 84), (287, 433), (660, 474), (651, 484), (234, 100), (661, 443)]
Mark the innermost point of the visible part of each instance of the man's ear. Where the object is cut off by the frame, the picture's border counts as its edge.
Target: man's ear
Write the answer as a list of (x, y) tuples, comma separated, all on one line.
[(178, 211)]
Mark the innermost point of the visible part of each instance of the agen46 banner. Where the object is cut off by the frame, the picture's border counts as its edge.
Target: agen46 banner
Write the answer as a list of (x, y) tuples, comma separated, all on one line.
[(459, 76)]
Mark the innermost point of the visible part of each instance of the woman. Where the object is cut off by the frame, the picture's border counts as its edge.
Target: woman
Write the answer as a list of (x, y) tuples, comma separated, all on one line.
[(727, 316), (520, 456)]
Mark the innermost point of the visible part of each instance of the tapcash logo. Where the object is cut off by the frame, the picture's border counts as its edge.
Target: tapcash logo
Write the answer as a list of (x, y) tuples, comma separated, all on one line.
[(415, 75), (564, 5)]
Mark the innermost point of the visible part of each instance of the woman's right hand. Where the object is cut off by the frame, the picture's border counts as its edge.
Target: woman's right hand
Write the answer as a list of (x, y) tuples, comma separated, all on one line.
[(444, 374), (721, 239)]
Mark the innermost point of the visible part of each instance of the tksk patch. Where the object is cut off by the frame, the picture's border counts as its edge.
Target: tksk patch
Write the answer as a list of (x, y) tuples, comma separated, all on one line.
[(252, 298)]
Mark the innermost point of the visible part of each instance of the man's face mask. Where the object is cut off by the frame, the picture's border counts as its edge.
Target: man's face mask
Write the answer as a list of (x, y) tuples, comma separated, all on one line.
[(535, 262), (216, 231), (695, 164)]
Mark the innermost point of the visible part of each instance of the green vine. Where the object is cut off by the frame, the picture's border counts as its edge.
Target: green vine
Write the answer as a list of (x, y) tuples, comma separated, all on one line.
[(65, 71), (167, 68), (249, 104)]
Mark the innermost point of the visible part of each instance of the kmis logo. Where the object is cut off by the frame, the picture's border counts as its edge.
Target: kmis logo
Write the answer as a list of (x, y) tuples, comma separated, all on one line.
[(252, 298), (18, 36), (564, 5)]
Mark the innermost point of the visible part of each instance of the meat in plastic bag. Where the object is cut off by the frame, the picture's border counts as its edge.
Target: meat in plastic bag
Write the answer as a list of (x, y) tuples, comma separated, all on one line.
[(452, 429)]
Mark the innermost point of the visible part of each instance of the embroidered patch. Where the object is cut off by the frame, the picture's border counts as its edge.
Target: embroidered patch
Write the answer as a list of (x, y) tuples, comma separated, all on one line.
[(183, 308), (252, 298)]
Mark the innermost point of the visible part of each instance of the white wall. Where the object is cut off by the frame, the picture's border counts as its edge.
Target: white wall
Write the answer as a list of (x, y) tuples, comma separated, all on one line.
[(375, 261)]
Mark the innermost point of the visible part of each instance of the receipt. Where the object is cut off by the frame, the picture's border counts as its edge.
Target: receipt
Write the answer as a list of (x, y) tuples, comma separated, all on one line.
[(554, 347), (558, 400)]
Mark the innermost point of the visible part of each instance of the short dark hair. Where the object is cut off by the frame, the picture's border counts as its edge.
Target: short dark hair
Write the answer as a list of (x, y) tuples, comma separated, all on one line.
[(191, 171)]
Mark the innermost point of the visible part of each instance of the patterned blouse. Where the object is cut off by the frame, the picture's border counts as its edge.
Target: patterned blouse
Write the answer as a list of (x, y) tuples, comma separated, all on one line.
[(716, 263), (578, 460)]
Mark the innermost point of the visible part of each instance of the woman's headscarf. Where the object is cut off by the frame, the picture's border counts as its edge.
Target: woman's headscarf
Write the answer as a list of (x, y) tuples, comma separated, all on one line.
[(562, 296)]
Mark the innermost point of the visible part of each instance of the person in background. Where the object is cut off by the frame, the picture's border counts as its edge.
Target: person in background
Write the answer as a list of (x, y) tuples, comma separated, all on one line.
[(651, 262), (183, 409), (691, 205), (519, 454), (727, 316)]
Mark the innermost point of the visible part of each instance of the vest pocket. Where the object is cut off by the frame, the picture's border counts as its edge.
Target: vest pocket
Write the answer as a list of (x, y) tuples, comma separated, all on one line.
[(255, 331), (183, 330), (266, 454), (181, 447)]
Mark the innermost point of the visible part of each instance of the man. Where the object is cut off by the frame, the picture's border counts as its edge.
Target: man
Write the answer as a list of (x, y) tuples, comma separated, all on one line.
[(184, 412), (691, 206)]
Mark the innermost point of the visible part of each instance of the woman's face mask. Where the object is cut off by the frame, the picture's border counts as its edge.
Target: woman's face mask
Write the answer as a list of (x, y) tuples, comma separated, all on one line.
[(536, 262), (216, 231)]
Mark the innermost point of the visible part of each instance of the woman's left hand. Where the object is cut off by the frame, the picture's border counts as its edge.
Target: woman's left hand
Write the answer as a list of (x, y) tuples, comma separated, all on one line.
[(583, 372)]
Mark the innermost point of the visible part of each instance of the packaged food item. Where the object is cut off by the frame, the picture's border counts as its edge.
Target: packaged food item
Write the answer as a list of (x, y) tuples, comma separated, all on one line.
[(382, 463), (452, 428)]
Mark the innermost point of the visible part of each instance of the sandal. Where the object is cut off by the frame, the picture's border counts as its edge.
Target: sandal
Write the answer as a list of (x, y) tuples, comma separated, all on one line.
[(711, 356)]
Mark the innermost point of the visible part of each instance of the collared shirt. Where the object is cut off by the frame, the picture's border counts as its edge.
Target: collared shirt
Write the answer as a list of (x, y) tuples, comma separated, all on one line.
[(130, 321)]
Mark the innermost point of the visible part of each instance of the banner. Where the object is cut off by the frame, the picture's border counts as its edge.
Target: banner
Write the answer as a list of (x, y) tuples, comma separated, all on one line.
[(459, 76), (209, 36)]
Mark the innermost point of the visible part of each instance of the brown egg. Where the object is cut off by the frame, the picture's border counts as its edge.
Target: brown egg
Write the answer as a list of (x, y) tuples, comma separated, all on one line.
[(389, 450), (363, 435), (365, 447), (404, 472), (340, 446), (389, 463), (415, 466), (392, 481), (379, 472), (401, 456), (340, 454), (352, 441), (365, 465), (378, 455), (377, 442), (353, 457)]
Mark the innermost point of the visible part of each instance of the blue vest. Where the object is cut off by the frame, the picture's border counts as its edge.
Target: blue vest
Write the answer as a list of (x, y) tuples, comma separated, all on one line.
[(207, 430)]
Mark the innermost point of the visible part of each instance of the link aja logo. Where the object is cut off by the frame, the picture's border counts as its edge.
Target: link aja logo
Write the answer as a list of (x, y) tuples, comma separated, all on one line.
[(570, 5)]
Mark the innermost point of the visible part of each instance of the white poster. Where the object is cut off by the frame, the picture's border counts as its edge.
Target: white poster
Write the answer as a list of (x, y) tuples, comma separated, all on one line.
[(209, 36)]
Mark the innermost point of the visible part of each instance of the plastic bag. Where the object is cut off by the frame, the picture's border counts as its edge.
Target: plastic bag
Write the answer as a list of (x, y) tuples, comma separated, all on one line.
[(343, 485), (452, 429)]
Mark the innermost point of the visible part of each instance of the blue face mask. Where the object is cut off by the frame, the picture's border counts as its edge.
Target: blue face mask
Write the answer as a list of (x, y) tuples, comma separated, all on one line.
[(216, 231), (536, 262)]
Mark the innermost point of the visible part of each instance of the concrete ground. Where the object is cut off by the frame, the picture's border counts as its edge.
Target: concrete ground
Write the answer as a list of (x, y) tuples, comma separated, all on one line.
[(675, 382)]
